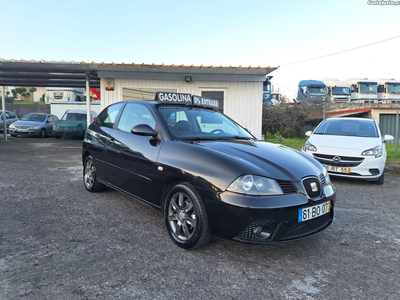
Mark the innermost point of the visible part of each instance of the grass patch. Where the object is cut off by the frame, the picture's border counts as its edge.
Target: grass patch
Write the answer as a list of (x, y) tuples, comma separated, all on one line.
[(296, 143)]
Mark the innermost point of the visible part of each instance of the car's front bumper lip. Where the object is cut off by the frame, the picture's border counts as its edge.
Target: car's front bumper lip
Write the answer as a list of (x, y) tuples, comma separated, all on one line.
[(231, 221)]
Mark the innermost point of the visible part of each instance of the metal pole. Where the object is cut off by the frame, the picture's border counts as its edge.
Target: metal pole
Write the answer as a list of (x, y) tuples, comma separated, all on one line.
[(88, 114), (396, 136), (3, 103)]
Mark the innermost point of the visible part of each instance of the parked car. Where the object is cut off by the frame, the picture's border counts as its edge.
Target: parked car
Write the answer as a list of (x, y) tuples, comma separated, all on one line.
[(206, 173), (73, 124), (33, 124), (349, 147), (11, 117)]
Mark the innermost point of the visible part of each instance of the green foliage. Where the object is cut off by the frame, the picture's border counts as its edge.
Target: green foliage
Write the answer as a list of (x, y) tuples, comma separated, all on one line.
[(32, 90), (288, 121), (20, 90)]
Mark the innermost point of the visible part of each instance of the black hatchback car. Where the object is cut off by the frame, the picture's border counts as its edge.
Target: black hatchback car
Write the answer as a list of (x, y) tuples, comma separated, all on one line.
[(206, 173)]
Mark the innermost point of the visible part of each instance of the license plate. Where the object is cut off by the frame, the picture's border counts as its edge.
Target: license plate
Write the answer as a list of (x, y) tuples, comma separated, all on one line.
[(312, 212), (21, 130), (338, 169)]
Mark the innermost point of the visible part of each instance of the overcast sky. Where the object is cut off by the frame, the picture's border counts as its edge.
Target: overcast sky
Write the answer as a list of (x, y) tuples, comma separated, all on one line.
[(212, 32)]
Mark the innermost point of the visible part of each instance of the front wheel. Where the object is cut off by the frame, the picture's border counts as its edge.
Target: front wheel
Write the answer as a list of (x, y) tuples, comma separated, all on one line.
[(186, 217), (42, 133), (90, 176), (380, 179)]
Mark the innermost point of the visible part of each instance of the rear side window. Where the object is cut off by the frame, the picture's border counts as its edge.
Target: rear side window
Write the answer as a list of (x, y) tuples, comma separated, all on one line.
[(109, 115), (135, 114)]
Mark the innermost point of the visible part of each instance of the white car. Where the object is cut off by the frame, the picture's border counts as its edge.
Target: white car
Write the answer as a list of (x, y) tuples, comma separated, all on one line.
[(349, 147)]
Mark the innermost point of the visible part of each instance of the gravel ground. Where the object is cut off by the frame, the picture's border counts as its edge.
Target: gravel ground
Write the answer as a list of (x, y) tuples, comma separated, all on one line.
[(58, 241)]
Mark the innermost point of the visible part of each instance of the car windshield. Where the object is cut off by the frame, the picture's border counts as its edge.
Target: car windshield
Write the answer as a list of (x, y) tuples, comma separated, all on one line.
[(69, 116), (317, 90), (371, 88), (393, 88), (34, 118), (340, 91), (200, 124), (358, 128)]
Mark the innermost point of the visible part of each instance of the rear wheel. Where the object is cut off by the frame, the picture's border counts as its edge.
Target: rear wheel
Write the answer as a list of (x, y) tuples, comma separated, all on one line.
[(186, 217), (90, 176)]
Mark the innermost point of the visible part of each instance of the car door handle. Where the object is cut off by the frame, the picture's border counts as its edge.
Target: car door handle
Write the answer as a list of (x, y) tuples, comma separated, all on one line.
[(111, 142)]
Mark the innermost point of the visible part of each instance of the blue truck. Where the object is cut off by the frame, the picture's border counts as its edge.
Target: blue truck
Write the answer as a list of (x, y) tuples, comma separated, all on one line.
[(313, 92)]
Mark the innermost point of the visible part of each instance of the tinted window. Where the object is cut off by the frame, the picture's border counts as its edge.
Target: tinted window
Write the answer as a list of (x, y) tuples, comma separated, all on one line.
[(348, 128), (34, 118), (185, 122), (109, 115), (135, 114)]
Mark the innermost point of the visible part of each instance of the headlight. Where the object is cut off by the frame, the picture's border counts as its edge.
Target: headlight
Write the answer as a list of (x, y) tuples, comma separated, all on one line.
[(12, 126), (255, 185), (377, 152), (309, 147), (327, 178), (34, 127)]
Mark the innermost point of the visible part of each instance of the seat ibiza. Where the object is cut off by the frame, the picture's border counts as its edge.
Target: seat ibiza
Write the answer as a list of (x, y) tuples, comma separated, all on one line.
[(205, 173)]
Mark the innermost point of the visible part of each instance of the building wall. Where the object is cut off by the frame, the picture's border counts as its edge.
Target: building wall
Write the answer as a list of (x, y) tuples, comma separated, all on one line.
[(375, 112), (242, 103)]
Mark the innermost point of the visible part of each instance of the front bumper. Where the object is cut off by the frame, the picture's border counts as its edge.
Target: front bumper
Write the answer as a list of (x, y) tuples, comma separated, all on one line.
[(29, 132), (362, 167), (229, 220)]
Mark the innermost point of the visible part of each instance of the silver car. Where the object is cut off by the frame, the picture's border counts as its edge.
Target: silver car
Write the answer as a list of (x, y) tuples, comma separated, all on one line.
[(11, 117), (33, 124)]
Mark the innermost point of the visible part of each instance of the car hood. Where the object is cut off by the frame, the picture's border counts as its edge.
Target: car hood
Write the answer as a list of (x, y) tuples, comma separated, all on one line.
[(343, 145), (266, 159), (27, 123), (69, 124)]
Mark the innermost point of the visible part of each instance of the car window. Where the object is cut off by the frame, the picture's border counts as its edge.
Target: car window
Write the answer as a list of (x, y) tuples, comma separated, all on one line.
[(34, 118), (109, 115), (12, 115), (358, 128), (135, 114), (69, 116), (184, 122), (50, 119)]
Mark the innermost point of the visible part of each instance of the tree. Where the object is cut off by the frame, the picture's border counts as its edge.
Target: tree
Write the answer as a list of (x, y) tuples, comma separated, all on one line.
[(14, 92), (32, 90), (20, 90)]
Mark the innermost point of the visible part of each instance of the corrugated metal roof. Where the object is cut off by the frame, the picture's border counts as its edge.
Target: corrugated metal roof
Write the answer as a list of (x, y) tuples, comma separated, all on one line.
[(73, 74)]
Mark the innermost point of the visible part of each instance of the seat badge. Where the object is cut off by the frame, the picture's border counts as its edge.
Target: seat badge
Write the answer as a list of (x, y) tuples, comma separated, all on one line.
[(314, 187)]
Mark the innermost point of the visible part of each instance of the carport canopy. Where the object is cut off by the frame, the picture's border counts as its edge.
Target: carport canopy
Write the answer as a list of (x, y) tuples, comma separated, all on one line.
[(86, 75)]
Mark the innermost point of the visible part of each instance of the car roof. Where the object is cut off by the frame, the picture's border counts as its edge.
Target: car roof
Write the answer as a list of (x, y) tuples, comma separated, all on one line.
[(78, 111)]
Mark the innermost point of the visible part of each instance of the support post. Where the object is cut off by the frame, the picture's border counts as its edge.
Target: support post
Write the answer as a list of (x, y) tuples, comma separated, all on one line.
[(3, 103), (88, 113), (396, 135)]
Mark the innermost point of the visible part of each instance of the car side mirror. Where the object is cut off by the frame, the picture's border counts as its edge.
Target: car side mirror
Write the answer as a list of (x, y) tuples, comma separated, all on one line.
[(388, 138), (144, 130), (308, 133)]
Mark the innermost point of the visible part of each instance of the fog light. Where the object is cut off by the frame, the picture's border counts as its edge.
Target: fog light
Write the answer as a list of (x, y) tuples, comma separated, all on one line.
[(262, 232)]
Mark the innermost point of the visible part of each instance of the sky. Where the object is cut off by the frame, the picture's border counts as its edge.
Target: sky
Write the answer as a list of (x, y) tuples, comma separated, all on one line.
[(291, 35)]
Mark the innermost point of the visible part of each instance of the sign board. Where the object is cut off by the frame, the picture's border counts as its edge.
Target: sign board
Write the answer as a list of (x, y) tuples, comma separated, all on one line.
[(186, 99), (109, 84)]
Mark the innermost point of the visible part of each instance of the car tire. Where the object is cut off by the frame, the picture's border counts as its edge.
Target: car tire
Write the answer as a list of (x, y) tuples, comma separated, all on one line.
[(42, 133), (186, 217), (90, 176), (380, 179)]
